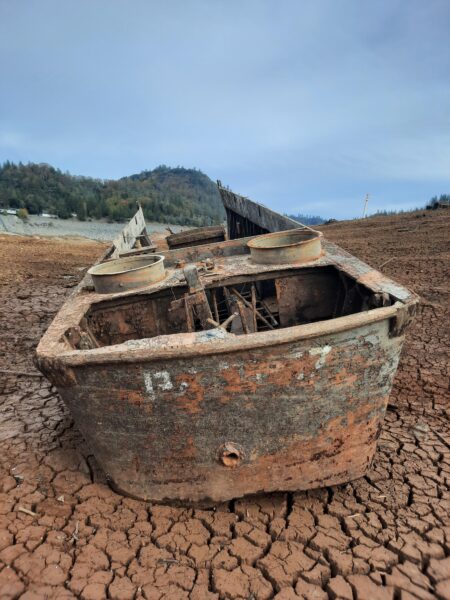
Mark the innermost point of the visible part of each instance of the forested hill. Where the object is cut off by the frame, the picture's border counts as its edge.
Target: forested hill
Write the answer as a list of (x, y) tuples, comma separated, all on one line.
[(180, 196)]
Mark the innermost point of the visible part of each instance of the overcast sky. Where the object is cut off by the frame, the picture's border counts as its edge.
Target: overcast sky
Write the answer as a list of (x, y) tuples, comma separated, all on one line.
[(303, 105)]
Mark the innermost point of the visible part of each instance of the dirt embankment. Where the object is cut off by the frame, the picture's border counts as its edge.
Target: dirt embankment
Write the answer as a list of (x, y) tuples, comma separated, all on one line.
[(386, 536)]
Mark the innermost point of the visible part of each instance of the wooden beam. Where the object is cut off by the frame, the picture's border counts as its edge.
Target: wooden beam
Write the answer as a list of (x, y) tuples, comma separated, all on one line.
[(258, 313)]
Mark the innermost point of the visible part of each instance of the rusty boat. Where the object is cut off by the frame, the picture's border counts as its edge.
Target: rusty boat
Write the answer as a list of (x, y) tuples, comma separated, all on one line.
[(258, 363)]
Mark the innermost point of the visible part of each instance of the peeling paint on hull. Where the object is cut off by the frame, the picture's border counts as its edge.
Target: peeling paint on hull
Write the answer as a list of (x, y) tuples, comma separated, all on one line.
[(295, 432)]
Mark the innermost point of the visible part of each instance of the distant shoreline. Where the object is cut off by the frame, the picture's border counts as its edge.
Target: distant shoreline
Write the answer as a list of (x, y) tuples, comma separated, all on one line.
[(91, 229)]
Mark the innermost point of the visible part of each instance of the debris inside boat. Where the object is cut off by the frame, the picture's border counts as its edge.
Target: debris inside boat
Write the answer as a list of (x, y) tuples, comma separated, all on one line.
[(214, 370)]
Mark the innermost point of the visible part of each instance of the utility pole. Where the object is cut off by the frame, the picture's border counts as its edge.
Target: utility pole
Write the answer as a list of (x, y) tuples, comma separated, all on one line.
[(366, 200)]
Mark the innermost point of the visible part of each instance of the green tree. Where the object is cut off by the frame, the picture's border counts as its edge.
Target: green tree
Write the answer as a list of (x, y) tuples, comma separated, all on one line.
[(184, 196)]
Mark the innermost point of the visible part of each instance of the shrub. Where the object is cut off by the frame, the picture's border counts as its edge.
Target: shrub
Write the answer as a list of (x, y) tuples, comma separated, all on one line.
[(22, 213)]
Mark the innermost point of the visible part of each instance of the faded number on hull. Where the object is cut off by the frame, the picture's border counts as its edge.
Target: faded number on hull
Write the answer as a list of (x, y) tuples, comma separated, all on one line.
[(158, 380)]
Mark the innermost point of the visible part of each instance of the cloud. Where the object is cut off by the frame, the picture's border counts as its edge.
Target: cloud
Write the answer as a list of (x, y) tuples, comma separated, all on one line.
[(311, 103)]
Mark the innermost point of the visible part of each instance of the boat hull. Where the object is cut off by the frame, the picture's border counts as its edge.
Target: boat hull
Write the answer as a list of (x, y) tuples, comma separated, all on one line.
[(215, 426)]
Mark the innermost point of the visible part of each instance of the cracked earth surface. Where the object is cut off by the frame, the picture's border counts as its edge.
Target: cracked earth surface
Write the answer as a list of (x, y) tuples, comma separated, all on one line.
[(386, 536)]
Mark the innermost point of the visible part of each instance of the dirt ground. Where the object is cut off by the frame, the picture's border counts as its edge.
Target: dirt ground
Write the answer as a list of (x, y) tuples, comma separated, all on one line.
[(386, 536)]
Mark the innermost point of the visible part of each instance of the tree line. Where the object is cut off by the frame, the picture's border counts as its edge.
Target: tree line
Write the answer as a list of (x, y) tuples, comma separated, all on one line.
[(168, 195), (307, 219), (435, 202)]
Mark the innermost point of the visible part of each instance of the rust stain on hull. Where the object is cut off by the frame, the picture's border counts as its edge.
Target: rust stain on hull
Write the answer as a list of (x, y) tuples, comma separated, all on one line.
[(300, 424)]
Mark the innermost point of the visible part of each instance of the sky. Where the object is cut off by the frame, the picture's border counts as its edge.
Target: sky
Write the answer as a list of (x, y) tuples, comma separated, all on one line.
[(302, 105)]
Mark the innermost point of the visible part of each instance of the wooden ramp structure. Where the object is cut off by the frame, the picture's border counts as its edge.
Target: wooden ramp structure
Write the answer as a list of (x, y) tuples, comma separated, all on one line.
[(246, 217)]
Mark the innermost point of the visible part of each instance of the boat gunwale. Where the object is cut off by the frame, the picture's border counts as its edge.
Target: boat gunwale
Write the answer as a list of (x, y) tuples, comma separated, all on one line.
[(157, 348)]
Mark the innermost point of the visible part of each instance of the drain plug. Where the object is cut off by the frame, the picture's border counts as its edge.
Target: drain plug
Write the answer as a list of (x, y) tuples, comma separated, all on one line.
[(231, 455)]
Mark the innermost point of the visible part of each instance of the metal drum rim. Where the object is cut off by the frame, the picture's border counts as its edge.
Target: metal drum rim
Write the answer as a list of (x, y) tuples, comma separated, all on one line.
[(253, 243), (96, 269)]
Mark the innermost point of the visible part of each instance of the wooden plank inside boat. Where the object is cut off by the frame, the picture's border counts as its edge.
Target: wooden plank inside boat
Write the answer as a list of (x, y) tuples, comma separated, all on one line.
[(196, 237)]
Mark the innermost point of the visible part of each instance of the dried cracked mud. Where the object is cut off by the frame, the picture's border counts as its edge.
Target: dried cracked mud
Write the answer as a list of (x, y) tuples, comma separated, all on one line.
[(65, 534)]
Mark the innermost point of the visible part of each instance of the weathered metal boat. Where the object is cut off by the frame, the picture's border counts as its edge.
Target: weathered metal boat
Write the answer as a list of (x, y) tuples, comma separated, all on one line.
[(231, 376)]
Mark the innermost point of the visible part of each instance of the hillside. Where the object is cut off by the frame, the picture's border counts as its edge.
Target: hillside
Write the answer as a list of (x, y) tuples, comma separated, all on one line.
[(180, 196)]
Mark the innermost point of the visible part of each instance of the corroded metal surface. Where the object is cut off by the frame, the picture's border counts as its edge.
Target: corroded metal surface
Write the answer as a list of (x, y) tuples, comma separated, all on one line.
[(129, 273), (302, 405), (293, 246), (247, 218), (303, 414)]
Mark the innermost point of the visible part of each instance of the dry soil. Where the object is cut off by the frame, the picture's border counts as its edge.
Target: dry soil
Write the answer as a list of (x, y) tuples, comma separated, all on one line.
[(65, 534)]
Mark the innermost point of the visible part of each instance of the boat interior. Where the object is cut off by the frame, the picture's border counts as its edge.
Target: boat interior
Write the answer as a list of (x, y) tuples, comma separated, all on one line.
[(244, 304)]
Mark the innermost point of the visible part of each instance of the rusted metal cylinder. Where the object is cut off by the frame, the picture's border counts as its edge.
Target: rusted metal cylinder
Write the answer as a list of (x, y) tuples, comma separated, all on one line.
[(282, 247), (129, 273)]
